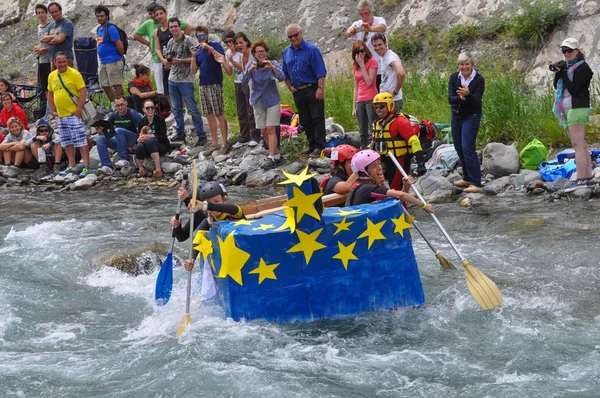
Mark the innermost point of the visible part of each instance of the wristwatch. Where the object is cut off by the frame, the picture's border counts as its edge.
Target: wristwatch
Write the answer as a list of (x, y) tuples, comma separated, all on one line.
[(323, 87)]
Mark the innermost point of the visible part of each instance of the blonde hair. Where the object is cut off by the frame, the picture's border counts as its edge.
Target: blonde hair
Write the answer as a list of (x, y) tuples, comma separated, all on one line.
[(15, 119)]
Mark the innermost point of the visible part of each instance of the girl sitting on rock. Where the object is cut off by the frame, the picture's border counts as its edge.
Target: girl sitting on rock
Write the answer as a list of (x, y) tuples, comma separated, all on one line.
[(14, 149), (371, 182), (154, 143)]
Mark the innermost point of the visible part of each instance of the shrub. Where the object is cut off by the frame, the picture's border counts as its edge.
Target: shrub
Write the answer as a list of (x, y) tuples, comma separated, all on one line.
[(533, 20), (405, 44), (459, 34)]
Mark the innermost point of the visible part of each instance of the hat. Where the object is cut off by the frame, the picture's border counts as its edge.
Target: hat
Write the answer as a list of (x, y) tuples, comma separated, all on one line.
[(43, 122), (570, 43)]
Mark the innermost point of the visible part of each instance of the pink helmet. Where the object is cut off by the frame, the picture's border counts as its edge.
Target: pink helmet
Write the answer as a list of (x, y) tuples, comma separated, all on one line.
[(362, 160)]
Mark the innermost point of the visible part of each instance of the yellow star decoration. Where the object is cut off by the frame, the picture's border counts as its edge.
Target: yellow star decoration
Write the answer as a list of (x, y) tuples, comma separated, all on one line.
[(373, 232), (204, 245), (305, 204), (242, 222), (264, 227), (290, 221), (308, 244), (401, 224), (265, 271), (342, 226), (348, 212), (297, 179), (233, 259), (345, 253)]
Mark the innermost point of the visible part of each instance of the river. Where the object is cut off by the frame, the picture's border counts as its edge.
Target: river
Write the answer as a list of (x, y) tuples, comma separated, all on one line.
[(72, 328)]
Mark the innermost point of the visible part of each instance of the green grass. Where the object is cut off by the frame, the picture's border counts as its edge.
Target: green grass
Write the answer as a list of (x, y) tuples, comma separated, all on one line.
[(533, 21), (459, 34)]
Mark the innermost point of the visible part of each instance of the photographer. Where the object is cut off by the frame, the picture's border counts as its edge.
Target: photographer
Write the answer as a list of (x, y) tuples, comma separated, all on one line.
[(264, 98), (572, 106)]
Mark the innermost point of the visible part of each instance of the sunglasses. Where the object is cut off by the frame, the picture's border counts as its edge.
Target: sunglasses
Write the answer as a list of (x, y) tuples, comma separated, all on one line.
[(567, 50), (360, 51), (380, 106), (203, 36), (227, 41), (293, 36), (149, 108), (43, 130)]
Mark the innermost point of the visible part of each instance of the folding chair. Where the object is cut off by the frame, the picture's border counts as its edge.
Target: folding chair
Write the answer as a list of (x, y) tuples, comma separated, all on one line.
[(87, 63), (31, 100)]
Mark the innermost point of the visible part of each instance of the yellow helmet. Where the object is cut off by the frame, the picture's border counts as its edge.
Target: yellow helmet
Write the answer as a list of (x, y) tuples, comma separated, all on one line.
[(385, 98)]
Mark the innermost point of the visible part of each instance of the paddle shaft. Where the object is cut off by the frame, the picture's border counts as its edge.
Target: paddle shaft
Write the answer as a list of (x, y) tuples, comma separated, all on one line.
[(431, 214), (189, 277), (173, 233), (415, 224)]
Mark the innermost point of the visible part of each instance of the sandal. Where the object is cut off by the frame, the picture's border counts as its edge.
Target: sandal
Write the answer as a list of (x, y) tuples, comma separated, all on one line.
[(210, 150), (143, 172)]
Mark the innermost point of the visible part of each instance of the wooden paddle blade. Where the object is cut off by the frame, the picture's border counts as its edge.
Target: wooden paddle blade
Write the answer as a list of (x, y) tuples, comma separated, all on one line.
[(483, 289), (444, 263), (187, 320)]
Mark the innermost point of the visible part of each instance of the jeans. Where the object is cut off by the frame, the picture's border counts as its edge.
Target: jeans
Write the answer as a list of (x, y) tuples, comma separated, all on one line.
[(365, 115), (464, 134), (185, 92), (122, 140), (312, 116), (145, 149)]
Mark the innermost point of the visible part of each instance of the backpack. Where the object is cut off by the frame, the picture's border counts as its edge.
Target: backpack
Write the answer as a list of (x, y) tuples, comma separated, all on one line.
[(122, 36)]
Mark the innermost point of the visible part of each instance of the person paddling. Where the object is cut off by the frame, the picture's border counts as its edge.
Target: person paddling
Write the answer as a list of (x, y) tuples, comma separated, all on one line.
[(342, 178)]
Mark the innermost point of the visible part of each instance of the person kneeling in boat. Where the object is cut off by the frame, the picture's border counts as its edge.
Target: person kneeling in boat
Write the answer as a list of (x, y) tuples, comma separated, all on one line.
[(393, 133), (182, 230), (214, 201), (342, 179), (367, 166)]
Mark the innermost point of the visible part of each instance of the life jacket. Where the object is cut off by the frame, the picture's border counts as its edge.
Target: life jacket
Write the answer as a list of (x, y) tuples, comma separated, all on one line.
[(383, 140), (324, 182)]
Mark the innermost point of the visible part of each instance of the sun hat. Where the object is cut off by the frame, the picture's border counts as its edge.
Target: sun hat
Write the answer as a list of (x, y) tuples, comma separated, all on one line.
[(570, 43)]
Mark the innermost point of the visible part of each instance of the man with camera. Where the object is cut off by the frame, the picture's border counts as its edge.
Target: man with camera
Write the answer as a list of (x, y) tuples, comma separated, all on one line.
[(365, 28), (179, 55)]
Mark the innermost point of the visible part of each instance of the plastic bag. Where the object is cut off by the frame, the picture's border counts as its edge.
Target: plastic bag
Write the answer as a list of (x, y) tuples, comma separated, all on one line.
[(41, 155), (533, 154)]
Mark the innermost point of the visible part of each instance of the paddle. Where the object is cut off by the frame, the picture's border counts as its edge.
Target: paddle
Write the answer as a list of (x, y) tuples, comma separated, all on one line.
[(444, 263), (187, 318), (482, 288), (164, 281)]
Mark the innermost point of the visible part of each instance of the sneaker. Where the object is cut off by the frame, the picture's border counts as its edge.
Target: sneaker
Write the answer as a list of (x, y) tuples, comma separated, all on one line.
[(239, 144), (259, 151), (122, 163), (580, 183), (462, 184), (68, 170), (170, 118), (473, 189), (252, 143), (316, 153), (85, 171), (105, 170), (269, 163), (201, 141)]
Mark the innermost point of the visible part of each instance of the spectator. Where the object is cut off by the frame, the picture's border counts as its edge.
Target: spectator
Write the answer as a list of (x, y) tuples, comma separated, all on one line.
[(145, 35), (305, 73), (155, 143), (392, 71), (48, 141), (125, 121), (6, 88), (70, 126), (364, 69), (264, 98), (110, 53), (181, 80), (365, 28), (239, 58), (14, 149), (60, 35), (209, 58), (10, 109), (140, 88), (41, 49)]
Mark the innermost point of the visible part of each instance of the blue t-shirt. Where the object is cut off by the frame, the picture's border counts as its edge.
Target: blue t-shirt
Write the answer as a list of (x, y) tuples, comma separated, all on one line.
[(303, 65), (107, 50), (210, 70), (63, 26)]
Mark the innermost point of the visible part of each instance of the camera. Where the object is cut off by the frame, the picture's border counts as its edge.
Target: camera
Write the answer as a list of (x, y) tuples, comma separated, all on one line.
[(198, 47), (360, 28), (560, 65), (169, 59), (260, 64)]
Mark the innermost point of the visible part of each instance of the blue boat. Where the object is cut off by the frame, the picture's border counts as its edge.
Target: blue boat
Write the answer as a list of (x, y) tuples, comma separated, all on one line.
[(304, 265)]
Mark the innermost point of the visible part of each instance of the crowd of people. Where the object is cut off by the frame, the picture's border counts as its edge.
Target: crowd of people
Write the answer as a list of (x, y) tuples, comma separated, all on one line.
[(179, 52)]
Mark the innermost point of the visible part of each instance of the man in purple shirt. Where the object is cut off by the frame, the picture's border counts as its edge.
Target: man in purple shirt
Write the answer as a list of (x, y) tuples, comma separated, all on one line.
[(305, 73)]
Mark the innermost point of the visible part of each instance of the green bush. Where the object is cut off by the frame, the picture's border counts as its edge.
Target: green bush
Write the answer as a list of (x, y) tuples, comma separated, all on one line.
[(533, 21), (406, 45), (459, 34), (273, 39), (491, 28)]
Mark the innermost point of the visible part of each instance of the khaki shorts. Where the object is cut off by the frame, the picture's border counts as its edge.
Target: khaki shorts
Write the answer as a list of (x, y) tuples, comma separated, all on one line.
[(266, 117), (111, 74)]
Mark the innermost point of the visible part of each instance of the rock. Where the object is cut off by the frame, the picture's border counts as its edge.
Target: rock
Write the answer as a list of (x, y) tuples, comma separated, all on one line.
[(453, 177), (251, 163), (232, 172), (195, 151), (501, 160), (239, 178), (538, 191), (294, 167), (530, 177), (144, 261), (58, 179), (319, 163), (84, 183), (558, 184), (466, 202), (353, 138), (517, 180), (261, 178), (94, 157), (220, 158), (537, 184), (582, 193), (3, 180), (127, 171), (206, 171), (170, 167), (428, 184), (444, 192), (491, 190), (10, 172), (69, 178)]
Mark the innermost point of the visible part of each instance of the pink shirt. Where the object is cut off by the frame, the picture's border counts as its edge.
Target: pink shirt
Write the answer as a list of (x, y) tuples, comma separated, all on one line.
[(366, 93)]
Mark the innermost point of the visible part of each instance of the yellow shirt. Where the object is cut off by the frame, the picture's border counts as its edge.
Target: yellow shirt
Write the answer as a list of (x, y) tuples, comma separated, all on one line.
[(74, 82)]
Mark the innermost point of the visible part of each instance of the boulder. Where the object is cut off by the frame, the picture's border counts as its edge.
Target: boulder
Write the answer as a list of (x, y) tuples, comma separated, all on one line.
[(220, 158), (534, 176), (10, 171), (558, 184), (127, 171), (94, 157), (353, 138), (251, 163), (444, 191), (293, 168), (84, 183), (319, 163), (72, 177), (516, 180), (261, 178), (491, 190), (501, 160), (170, 167), (239, 178), (206, 171)]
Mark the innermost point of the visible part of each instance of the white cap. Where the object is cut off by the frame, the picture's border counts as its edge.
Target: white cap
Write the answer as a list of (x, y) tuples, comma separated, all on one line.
[(570, 43)]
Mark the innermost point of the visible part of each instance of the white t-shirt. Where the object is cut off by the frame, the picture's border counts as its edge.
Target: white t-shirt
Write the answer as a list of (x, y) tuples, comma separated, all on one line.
[(238, 57), (369, 35), (388, 74)]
